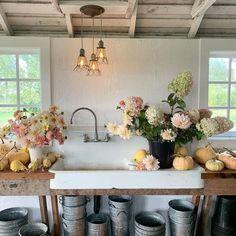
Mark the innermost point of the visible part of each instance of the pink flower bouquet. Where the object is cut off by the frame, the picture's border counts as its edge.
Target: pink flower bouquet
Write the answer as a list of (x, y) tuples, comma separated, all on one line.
[(38, 130)]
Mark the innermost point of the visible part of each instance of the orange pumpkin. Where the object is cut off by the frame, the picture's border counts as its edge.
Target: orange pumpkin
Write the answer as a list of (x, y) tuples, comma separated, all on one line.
[(229, 160), (183, 163), (203, 154)]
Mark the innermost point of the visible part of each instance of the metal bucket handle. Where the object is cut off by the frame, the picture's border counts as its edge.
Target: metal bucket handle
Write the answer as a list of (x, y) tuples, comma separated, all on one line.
[(122, 212), (60, 200), (64, 224)]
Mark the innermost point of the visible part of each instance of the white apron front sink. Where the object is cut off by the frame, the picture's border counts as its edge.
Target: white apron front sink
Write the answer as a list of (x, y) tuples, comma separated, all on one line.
[(105, 166)]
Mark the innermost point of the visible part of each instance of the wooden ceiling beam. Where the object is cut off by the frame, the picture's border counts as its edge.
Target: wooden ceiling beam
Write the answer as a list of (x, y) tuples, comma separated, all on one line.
[(4, 23), (55, 4), (198, 11), (130, 8), (201, 8), (133, 20), (69, 25)]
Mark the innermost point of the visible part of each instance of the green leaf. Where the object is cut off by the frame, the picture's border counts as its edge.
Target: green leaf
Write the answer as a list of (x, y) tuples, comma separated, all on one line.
[(181, 103), (170, 97)]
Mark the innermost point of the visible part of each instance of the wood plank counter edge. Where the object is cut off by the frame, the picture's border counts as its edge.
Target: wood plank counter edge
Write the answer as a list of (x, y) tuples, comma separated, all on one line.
[(126, 191), (26, 175)]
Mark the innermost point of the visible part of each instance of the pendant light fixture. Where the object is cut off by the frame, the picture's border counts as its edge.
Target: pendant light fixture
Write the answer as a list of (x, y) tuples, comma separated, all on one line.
[(92, 68), (101, 50), (82, 63), (93, 62)]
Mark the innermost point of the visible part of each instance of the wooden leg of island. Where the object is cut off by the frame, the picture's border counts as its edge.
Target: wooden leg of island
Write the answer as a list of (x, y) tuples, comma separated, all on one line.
[(55, 212), (43, 210)]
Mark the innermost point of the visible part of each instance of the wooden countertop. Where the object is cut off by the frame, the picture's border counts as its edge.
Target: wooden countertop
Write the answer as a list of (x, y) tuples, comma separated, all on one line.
[(26, 175), (226, 173)]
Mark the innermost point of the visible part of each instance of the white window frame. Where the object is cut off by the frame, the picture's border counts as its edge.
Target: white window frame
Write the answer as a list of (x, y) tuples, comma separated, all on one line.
[(21, 45), (213, 48)]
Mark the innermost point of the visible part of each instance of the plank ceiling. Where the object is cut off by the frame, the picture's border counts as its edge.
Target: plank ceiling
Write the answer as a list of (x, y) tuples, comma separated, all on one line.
[(122, 18)]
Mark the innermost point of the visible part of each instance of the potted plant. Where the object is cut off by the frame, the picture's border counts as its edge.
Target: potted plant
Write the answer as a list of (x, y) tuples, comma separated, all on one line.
[(165, 129)]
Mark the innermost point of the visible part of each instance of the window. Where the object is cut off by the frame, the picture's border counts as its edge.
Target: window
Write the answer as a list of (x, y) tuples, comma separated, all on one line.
[(20, 83), (222, 86)]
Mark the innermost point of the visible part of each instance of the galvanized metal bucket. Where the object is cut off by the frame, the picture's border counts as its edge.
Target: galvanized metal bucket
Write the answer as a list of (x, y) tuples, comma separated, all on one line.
[(120, 202), (182, 217), (97, 224), (120, 214), (73, 200), (11, 220), (74, 213), (73, 227), (149, 223), (34, 229)]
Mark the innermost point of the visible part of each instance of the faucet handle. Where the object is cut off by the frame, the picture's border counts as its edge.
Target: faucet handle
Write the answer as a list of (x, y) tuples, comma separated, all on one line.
[(85, 138)]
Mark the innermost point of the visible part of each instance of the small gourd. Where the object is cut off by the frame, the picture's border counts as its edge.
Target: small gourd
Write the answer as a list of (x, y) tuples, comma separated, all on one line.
[(47, 163), (183, 163), (35, 165), (4, 164), (203, 154), (17, 166), (214, 165), (229, 160), (4, 149), (21, 155)]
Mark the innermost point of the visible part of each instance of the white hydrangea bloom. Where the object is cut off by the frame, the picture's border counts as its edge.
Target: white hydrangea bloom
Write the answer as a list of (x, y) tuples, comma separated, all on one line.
[(208, 126), (154, 115), (182, 84)]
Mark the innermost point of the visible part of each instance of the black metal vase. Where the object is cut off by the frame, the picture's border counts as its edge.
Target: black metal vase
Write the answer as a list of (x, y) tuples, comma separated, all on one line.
[(163, 151)]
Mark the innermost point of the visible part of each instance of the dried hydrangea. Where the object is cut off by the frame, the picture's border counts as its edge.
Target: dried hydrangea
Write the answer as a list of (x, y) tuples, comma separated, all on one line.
[(154, 115), (205, 113), (168, 135), (181, 121), (209, 126), (224, 124), (194, 115), (181, 85)]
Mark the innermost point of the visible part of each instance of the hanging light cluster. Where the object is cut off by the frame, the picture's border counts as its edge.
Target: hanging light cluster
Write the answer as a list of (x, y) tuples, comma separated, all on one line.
[(92, 68)]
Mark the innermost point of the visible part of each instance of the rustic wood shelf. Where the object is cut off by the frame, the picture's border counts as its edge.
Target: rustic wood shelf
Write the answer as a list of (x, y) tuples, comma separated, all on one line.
[(126, 191), (26, 175), (226, 173), (27, 184)]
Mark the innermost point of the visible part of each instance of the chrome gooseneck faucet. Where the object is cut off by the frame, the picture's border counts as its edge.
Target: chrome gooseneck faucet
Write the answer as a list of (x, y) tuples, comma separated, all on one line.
[(86, 137)]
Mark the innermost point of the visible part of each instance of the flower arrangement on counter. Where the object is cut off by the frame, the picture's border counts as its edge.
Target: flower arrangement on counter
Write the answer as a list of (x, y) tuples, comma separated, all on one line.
[(36, 130), (178, 125)]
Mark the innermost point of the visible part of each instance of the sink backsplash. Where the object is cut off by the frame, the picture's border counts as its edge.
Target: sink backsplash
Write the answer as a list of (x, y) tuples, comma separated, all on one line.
[(115, 154)]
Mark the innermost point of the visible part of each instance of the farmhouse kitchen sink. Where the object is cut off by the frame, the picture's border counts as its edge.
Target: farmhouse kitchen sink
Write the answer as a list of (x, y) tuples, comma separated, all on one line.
[(105, 166)]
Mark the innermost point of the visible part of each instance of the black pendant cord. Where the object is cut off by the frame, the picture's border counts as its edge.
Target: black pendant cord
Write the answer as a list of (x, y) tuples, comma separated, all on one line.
[(96, 204)]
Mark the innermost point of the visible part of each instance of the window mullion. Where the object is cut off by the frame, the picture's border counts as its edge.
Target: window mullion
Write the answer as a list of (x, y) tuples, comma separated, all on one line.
[(18, 81)]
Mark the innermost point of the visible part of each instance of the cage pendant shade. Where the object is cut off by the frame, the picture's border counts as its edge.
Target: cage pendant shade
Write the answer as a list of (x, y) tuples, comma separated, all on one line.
[(93, 66), (101, 53), (82, 63)]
